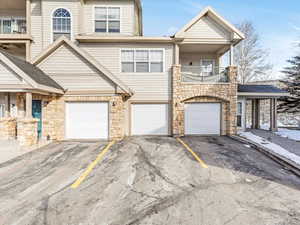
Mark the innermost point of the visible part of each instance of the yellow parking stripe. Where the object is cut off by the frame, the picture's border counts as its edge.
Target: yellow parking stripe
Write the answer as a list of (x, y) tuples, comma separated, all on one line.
[(202, 163), (92, 165)]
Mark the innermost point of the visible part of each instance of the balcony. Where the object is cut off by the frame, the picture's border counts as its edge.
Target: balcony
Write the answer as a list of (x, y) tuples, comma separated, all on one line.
[(12, 25), (203, 74)]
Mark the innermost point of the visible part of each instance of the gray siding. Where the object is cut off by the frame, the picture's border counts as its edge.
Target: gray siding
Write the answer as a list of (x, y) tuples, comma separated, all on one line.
[(72, 72), (146, 86)]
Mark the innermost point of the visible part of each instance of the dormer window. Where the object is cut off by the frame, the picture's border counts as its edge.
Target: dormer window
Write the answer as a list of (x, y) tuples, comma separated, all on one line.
[(107, 19), (61, 23)]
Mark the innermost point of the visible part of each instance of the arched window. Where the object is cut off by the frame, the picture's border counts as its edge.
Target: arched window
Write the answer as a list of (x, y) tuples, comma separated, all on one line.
[(61, 23)]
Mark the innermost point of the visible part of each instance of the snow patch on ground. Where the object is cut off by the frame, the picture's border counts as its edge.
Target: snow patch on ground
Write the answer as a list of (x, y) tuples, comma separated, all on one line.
[(271, 146), (290, 134)]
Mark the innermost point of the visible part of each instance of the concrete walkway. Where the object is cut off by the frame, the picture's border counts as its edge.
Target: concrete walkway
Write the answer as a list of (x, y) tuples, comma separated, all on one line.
[(10, 149), (288, 144)]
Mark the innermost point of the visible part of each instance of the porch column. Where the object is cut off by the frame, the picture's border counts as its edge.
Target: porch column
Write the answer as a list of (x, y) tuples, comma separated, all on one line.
[(7, 105), (28, 105), (176, 54), (255, 114), (244, 115), (273, 115), (231, 55)]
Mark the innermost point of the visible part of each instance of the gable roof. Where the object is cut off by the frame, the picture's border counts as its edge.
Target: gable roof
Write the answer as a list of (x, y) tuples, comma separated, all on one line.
[(210, 11), (63, 40), (34, 76)]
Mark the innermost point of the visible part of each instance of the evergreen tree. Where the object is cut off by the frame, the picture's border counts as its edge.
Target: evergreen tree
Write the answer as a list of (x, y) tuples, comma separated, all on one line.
[(292, 104)]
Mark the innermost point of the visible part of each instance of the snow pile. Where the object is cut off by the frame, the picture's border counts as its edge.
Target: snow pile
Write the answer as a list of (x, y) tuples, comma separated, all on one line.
[(271, 146), (290, 134)]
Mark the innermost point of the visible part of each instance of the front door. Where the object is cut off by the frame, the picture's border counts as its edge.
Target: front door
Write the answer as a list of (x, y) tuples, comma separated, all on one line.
[(37, 113)]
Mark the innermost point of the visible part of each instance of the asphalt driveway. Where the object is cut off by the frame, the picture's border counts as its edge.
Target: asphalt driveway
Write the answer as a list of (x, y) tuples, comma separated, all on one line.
[(149, 181)]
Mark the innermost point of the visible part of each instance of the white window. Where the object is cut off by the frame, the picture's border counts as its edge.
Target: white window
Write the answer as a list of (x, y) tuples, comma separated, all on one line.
[(142, 61), (2, 110), (61, 23), (107, 19), (207, 67), (239, 114)]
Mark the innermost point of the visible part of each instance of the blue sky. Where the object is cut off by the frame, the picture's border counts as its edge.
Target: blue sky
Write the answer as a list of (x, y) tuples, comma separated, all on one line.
[(277, 22)]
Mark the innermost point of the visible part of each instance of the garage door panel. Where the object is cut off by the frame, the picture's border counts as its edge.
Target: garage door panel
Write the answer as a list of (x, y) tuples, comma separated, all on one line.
[(86, 120), (149, 119), (202, 119)]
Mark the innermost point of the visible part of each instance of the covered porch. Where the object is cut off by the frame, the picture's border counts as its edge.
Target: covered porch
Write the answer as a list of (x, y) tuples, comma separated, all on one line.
[(251, 99), (24, 91)]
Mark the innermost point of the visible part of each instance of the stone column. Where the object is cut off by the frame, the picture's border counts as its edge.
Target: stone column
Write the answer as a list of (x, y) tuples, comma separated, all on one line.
[(27, 132), (255, 114), (8, 128), (232, 75), (177, 105)]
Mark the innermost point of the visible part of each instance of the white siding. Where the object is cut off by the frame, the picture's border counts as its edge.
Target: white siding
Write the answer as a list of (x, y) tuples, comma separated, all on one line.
[(146, 86), (41, 21), (127, 15), (36, 28), (207, 28), (7, 76), (72, 72)]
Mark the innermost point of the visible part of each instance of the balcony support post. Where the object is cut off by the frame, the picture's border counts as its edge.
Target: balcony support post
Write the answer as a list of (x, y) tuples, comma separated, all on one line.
[(28, 17), (231, 55), (176, 54)]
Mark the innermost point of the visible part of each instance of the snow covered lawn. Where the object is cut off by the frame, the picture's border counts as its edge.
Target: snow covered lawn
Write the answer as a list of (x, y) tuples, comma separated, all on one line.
[(290, 134), (271, 146)]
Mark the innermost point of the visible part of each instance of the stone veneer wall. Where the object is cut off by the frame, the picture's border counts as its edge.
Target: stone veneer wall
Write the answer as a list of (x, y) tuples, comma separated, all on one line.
[(27, 132), (225, 93), (8, 128), (54, 114)]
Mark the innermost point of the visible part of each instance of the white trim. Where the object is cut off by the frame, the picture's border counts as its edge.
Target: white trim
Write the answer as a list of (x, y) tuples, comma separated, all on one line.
[(51, 22), (134, 61), (106, 6)]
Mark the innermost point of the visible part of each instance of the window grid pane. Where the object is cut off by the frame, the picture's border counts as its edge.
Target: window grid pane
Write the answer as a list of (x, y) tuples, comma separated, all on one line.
[(142, 56), (114, 13), (114, 26)]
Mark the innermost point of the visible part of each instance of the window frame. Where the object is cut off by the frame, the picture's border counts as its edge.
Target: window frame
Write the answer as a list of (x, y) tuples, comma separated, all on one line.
[(149, 60), (239, 113), (213, 65), (71, 22), (107, 20)]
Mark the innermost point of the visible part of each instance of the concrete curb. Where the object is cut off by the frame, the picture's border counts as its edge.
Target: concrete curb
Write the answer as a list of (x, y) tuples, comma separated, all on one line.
[(290, 165)]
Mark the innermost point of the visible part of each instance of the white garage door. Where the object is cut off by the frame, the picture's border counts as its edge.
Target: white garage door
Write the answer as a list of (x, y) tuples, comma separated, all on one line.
[(86, 120), (149, 119), (203, 119)]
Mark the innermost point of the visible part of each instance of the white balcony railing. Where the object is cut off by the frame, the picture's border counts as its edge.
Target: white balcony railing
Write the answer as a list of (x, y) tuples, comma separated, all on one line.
[(12, 25), (204, 75)]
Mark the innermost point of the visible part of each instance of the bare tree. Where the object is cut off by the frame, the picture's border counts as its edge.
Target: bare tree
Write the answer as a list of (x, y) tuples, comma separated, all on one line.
[(250, 57)]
